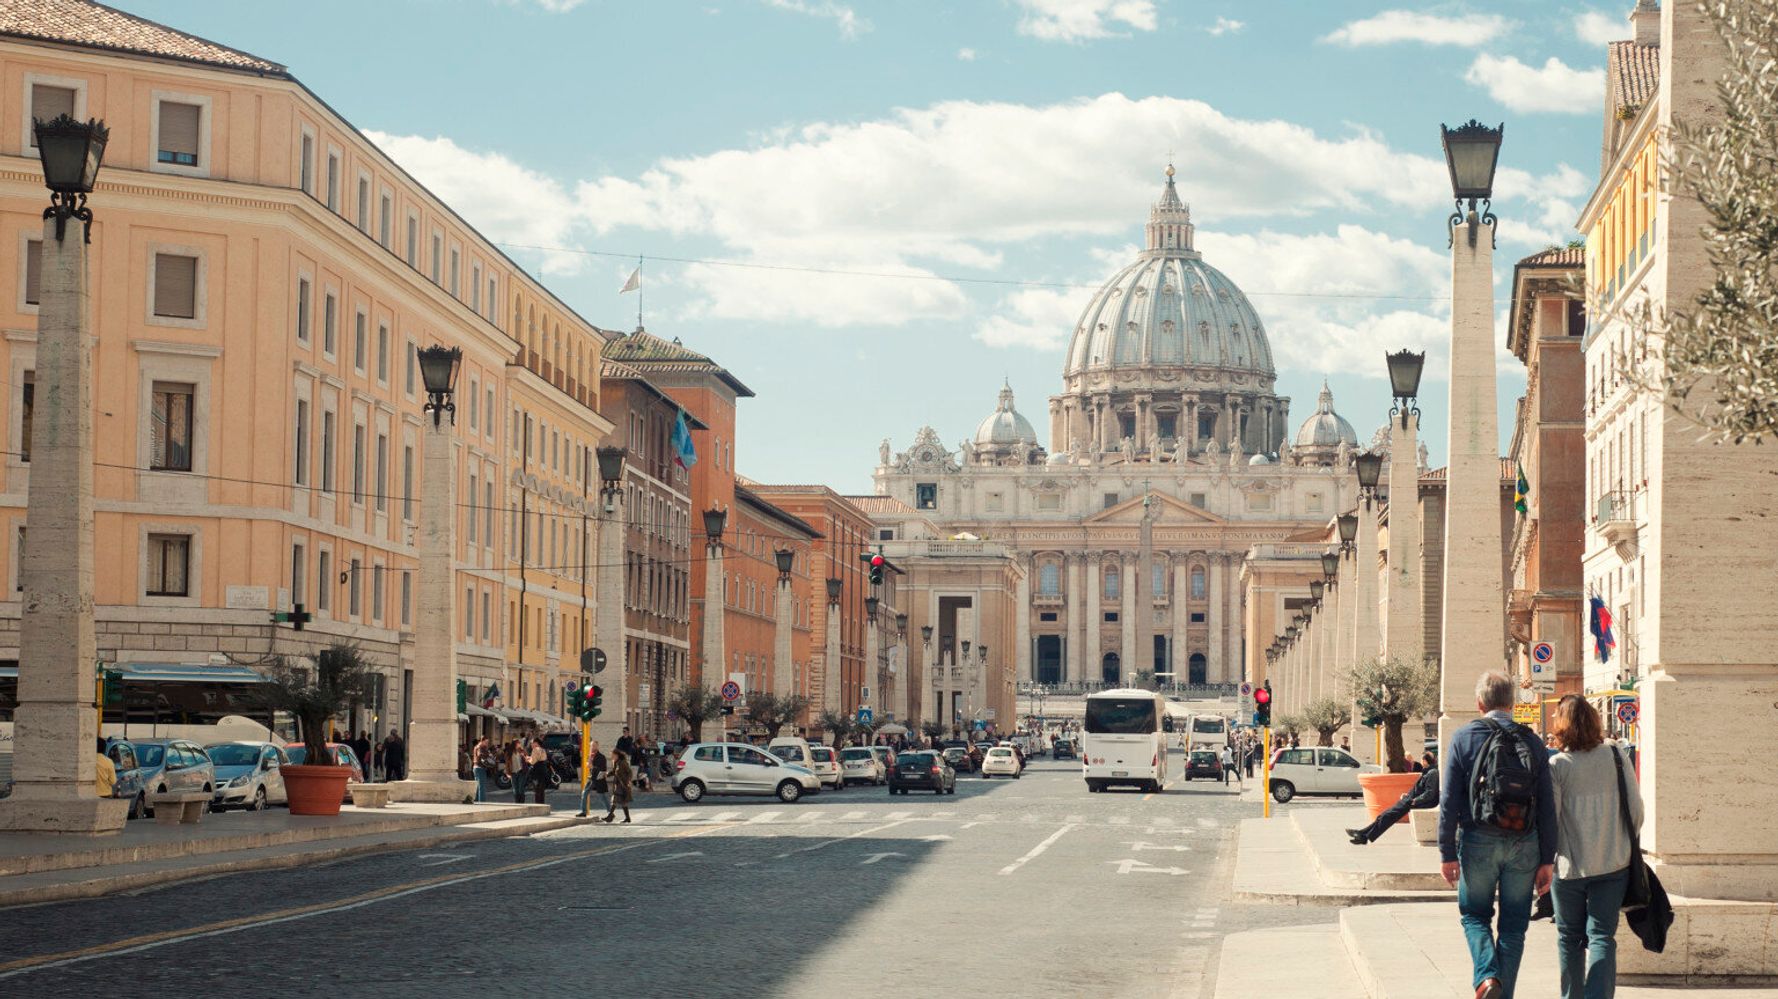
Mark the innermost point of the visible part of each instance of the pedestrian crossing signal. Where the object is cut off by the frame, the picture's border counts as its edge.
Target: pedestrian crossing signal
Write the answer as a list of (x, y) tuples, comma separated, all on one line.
[(1262, 705)]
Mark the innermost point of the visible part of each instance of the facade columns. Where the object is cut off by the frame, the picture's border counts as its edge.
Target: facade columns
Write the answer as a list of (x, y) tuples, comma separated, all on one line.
[(1214, 667), (1078, 599), (1364, 626), (928, 678), (1022, 625), (1176, 648), (715, 610), (1232, 667), (1129, 589), (1407, 635), (1091, 649), (57, 723)]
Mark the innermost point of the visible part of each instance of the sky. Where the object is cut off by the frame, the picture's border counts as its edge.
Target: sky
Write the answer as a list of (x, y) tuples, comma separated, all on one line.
[(873, 211)]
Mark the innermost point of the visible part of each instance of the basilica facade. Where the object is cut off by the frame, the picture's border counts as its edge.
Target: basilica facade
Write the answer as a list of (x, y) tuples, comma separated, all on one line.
[(1171, 457)]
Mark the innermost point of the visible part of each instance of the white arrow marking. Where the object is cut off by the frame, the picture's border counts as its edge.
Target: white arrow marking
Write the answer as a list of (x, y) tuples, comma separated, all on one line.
[(1039, 848), (873, 858), (940, 838), (1140, 845), (445, 858), (1126, 865), (677, 856)]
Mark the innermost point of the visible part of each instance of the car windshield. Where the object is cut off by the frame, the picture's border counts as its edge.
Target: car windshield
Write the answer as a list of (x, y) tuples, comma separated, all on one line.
[(150, 755), (821, 755), (855, 754), (789, 754), (1203, 757), (1121, 716), (999, 752), (233, 754), (913, 761), (1207, 725), (297, 754)]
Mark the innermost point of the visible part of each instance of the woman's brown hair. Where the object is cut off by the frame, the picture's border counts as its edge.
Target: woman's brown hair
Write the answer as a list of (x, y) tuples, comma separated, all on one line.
[(1576, 728)]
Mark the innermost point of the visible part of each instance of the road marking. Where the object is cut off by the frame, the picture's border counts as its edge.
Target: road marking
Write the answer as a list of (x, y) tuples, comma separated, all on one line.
[(725, 816), (681, 817), (763, 818), (1119, 820), (851, 816), (838, 839), (873, 858), (812, 816), (985, 818), (940, 838), (444, 858), (1145, 845), (1127, 865), (151, 941), (677, 856), (899, 815), (1039, 848)]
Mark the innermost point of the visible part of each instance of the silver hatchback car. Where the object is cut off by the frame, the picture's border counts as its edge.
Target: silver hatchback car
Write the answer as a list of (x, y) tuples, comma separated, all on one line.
[(733, 768)]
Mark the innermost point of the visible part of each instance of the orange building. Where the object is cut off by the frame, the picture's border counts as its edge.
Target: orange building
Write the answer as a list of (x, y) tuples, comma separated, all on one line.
[(757, 531)]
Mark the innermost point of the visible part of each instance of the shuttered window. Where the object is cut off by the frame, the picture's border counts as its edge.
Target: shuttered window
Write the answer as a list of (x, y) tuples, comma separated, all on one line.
[(48, 103), (175, 286), (169, 558), (33, 271), (179, 133), (169, 428), (307, 167), (27, 410)]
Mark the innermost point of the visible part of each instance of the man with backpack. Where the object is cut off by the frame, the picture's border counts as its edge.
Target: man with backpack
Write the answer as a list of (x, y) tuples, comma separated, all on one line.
[(1496, 833)]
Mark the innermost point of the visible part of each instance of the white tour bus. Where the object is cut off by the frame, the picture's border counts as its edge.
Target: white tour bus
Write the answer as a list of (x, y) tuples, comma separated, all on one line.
[(1206, 732), (1124, 740)]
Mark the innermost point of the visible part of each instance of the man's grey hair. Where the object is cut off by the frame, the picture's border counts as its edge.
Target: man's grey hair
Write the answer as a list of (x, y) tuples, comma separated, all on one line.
[(1494, 692)]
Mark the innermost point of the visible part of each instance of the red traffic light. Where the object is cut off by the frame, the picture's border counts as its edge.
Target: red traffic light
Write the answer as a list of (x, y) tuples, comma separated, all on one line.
[(1262, 696), (877, 561)]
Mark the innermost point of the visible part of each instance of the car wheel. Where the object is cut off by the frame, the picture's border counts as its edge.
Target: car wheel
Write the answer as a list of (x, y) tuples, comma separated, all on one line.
[(952, 789), (789, 791), (1282, 791), (139, 806), (259, 802), (691, 791)]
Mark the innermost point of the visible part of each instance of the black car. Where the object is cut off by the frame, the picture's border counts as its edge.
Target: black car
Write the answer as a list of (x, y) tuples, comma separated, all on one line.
[(959, 758), (1065, 750), (925, 770), (1203, 763)]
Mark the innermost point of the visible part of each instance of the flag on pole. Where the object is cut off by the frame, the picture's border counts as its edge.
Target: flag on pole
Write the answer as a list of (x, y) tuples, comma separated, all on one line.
[(634, 283), (1521, 492), (1600, 626), (491, 696), (685, 454)]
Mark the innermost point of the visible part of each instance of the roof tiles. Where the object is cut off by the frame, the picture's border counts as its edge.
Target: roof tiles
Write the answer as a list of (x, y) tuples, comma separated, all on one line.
[(1634, 72), (94, 25)]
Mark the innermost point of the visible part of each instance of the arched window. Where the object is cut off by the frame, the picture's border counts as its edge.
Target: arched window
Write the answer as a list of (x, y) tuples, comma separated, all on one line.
[(1197, 582), (1049, 579), (1111, 583)]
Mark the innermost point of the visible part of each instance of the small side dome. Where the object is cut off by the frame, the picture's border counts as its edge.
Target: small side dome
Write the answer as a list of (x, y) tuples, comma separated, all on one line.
[(1325, 428), (1260, 459), (1005, 427)]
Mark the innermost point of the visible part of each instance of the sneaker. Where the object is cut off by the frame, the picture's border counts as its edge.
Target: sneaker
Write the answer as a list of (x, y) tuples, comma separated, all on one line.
[(1489, 989), (1357, 837)]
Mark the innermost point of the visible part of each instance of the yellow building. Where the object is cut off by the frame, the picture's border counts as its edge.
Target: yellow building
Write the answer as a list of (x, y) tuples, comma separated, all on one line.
[(262, 276)]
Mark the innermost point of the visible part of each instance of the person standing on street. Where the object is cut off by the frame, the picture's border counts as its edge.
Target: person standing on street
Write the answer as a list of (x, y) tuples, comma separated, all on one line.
[(1590, 777), (517, 768), (105, 774), (483, 759), (1424, 794), (595, 779), (1228, 766), (1496, 833), (362, 749), (394, 758), (538, 761), (620, 787)]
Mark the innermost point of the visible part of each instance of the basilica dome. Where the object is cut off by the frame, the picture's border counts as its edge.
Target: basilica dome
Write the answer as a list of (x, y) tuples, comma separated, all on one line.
[(1005, 426), (1169, 309), (1325, 428)]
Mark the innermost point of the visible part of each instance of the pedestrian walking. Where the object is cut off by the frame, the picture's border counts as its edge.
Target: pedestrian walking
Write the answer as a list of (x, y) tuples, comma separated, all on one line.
[(362, 749), (485, 765), (595, 782), (373, 765), (1424, 794), (394, 758), (1496, 833), (518, 768), (1593, 782), (619, 780), (538, 760), (1228, 766)]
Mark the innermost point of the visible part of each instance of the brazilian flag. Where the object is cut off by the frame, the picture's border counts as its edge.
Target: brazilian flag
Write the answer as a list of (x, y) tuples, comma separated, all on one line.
[(1521, 492)]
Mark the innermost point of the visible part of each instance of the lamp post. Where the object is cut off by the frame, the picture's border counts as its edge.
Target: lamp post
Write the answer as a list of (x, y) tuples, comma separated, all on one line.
[(1406, 637), (783, 681), (926, 660), (831, 670), (57, 724), (432, 734), (978, 676), (903, 672), (715, 609), (608, 619), (873, 668), (1474, 624)]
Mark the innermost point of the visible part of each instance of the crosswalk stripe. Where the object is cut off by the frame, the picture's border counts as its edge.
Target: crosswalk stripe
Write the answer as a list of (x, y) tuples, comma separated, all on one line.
[(813, 817), (851, 816), (899, 815), (762, 818), (682, 817), (725, 816)]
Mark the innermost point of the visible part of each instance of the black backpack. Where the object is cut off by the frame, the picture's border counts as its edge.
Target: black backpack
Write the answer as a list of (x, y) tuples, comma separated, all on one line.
[(1503, 787)]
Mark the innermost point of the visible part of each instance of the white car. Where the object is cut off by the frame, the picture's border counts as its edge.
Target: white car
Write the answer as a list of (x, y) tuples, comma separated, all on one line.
[(825, 762), (1001, 761), (1318, 770), (861, 765), (732, 768)]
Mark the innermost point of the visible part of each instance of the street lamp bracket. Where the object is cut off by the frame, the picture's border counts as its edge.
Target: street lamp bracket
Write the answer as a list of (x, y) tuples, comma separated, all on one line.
[(438, 369), (71, 152)]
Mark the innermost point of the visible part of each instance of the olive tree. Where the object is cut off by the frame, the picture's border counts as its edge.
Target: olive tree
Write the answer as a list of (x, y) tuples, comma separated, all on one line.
[(1324, 717), (1391, 691), (695, 705)]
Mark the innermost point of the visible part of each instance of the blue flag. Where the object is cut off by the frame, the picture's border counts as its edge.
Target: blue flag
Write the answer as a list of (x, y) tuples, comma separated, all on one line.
[(685, 454)]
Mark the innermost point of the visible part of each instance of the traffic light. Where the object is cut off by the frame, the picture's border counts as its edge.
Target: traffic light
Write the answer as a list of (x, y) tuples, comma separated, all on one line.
[(593, 709), (877, 562), (573, 698), (1262, 705)]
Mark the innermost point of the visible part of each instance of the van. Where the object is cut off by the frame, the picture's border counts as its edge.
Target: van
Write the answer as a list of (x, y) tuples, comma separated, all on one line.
[(792, 749)]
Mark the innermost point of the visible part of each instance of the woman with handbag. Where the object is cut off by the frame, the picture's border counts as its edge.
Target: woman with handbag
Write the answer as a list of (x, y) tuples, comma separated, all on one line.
[(619, 779), (1598, 815)]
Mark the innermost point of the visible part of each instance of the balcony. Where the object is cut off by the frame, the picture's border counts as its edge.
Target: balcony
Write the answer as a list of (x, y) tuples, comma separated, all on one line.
[(1615, 520)]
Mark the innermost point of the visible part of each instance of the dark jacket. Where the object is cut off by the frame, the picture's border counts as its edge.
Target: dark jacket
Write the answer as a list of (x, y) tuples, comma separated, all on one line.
[(1425, 792), (1459, 777)]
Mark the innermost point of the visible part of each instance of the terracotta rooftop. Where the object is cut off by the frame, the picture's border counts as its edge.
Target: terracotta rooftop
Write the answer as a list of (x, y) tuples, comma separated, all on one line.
[(1634, 72), (649, 353), (880, 505), (1556, 256), (94, 25), (752, 499), (615, 370)]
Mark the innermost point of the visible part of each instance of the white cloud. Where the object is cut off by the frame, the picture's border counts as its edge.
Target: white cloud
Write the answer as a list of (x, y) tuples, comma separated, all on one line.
[(1392, 26), (827, 300), (1037, 318), (1595, 28), (966, 55), (1554, 87), (555, 6), (846, 18), (1226, 26), (1079, 20)]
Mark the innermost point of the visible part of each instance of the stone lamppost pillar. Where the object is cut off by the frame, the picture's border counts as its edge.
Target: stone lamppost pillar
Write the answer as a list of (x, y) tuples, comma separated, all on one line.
[(1090, 669), (904, 672), (433, 733), (1406, 638), (1474, 620), (1129, 589), (608, 614), (58, 727), (715, 611), (782, 672), (873, 668), (830, 665), (926, 665), (1338, 598)]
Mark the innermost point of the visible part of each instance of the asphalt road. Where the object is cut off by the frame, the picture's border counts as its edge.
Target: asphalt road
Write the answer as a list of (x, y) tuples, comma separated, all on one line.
[(1026, 887)]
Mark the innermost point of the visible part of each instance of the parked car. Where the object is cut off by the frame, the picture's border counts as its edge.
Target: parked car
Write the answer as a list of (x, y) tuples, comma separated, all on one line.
[(885, 757), (1203, 763), (958, 758), (131, 777), (862, 765), (248, 775), (1065, 750), (170, 766), (1319, 770), (732, 768), (792, 750), (342, 757), (825, 762), (924, 770), (1001, 761)]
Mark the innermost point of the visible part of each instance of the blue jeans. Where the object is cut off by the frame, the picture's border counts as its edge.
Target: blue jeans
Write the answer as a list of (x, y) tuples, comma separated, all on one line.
[(586, 797), (1586, 933), (518, 786), (483, 781), (1490, 866)]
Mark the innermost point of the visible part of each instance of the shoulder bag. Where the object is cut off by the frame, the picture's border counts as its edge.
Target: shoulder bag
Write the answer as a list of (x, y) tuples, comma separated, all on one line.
[(1645, 901)]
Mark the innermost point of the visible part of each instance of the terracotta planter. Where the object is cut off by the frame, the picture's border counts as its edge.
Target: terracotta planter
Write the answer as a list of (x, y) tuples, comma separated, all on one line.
[(315, 790), (1383, 790)]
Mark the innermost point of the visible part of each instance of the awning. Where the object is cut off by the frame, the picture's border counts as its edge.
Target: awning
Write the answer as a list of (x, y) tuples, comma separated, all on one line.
[(477, 711), (892, 729)]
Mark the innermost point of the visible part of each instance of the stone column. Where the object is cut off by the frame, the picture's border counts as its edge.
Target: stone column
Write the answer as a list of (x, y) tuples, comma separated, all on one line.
[(608, 620), (830, 660), (873, 667), (927, 678), (1474, 624), (1232, 667), (1129, 590), (1190, 430), (1333, 635), (715, 664), (1022, 624), (432, 734), (904, 677), (1407, 620), (782, 678), (1059, 440), (1366, 644), (1214, 666), (1141, 409), (58, 727), (1091, 650), (1181, 615), (1078, 600)]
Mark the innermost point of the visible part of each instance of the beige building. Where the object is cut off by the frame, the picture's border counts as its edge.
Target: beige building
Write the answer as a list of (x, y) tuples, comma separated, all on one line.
[(262, 276)]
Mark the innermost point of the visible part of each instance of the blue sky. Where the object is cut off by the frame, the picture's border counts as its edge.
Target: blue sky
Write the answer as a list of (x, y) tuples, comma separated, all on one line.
[(957, 145)]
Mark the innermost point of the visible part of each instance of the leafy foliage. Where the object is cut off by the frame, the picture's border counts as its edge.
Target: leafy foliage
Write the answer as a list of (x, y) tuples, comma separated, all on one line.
[(1394, 691), (1324, 717), (838, 725), (341, 675), (931, 729), (771, 712), (695, 705)]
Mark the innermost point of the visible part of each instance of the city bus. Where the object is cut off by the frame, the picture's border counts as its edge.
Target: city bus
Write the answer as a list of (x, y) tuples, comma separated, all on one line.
[(1206, 732), (1124, 740)]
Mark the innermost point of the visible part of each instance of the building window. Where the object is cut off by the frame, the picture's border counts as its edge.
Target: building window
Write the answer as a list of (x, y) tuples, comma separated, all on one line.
[(358, 463), (413, 363), (1110, 500), (299, 568), (305, 170), (1158, 585), (324, 581), (1049, 501), (354, 594), (413, 242), (1111, 617), (364, 204), (175, 286), (358, 345), (33, 271), (376, 593), (487, 617), (1197, 617), (491, 287), (475, 395), (475, 287), (330, 309), (469, 614), (179, 133), (437, 255), (382, 473), (302, 442), (1197, 582), (1198, 500), (456, 260), (926, 496), (488, 522), (385, 221), (302, 310), (473, 508), (49, 103), (383, 354), (488, 428), (170, 428), (333, 182), (407, 598), (327, 451), (27, 409), (407, 482), (886, 534), (1111, 584), (169, 559)]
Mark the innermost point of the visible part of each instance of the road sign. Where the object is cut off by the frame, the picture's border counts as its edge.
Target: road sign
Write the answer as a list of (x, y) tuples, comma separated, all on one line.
[(1543, 652), (1628, 712), (1525, 714), (864, 714), (731, 691), (592, 660), (1246, 689)]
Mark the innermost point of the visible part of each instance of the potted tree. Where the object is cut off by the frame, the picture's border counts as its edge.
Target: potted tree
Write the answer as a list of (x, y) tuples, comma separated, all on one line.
[(695, 705), (772, 712), (340, 675), (932, 730), (1325, 717), (838, 725), (1391, 691)]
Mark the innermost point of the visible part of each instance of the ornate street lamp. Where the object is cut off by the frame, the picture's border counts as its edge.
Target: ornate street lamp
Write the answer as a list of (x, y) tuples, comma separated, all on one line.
[(786, 558), (901, 623), (926, 634), (965, 657), (1405, 367), (71, 152), (833, 590), (1348, 525), (1316, 588), (981, 651), (1472, 151), (1330, 566), (870, 607), (1369, 465), (611, 474), (714, 522), (438, 369)]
